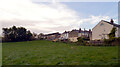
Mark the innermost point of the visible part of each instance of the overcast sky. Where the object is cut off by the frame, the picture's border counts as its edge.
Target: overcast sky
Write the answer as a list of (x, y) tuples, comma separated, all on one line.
[(49, 17)]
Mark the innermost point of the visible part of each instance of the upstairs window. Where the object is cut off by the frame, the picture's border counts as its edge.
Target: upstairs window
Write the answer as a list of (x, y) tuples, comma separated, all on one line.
[(101, 24)]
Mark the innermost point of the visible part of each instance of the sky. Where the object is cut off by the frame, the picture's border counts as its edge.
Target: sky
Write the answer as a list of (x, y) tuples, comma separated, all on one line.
[(49, 17)]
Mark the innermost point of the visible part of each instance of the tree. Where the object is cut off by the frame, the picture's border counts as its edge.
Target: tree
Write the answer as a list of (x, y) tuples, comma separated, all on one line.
[(40, 36), (15, 34), (29, 35), (112, 33), (112, 39), (81, 41), (6, 36)]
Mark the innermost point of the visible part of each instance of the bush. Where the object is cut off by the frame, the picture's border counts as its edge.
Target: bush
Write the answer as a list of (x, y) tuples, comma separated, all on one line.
[(81, 41), (112, 41), (112, 33)]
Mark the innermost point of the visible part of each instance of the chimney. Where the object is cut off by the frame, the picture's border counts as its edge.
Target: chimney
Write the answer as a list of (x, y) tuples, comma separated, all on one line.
[(79, 29), (65, 32), (111, 21), (89, 30)]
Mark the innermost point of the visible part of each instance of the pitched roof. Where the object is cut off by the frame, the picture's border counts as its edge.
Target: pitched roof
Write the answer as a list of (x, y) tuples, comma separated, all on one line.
[(65, 32), (53, 34), (74, 33), (116, 25), (74, 30), (84, 31)]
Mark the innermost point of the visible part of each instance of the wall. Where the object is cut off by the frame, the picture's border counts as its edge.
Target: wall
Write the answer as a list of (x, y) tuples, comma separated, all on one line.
[(100, 29), (64, 36), (73, 39), (73, 34), (118, 32)]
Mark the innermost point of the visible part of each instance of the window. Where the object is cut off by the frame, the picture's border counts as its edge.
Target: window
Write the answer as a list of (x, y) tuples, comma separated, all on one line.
[(101, 24)]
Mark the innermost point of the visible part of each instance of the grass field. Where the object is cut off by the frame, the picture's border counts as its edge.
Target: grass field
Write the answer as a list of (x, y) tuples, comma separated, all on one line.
[(56, 53)]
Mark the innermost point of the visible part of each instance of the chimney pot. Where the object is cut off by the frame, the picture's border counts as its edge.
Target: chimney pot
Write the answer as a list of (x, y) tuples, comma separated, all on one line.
[(89, 30), (111, 21)]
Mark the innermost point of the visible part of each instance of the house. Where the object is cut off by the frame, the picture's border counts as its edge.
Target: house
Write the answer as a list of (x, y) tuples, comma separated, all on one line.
[(34, 36), (53, 36), (41, 36), (85, 33), (64, 35), (73, 35), (103, 28)]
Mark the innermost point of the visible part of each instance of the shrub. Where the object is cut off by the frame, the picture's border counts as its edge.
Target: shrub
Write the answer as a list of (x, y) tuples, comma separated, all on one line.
[(112, 41), (81, 41), (112, 33)]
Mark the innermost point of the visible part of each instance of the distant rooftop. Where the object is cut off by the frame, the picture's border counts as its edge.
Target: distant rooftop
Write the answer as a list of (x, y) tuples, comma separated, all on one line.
[(52, 34)]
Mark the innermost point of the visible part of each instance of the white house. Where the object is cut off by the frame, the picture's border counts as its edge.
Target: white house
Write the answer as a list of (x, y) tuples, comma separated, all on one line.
[(85, 33), (64, 35), (103, 28)]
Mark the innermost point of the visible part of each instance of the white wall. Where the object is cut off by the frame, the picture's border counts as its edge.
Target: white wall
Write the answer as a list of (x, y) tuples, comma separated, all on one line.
[(100, 29), (64, 36)]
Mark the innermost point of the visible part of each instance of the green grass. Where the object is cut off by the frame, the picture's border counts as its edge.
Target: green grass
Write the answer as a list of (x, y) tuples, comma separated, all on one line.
[(56, 53)]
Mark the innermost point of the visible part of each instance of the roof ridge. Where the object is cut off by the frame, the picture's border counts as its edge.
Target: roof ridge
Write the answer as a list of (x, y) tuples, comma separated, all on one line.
[(117, 25)]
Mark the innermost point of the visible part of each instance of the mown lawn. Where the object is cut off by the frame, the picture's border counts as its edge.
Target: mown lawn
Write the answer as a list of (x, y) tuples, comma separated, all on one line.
[(56, 53)]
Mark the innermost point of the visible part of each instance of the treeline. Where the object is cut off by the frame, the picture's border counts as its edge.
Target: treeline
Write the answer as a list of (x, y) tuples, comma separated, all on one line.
[(15, 34)]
